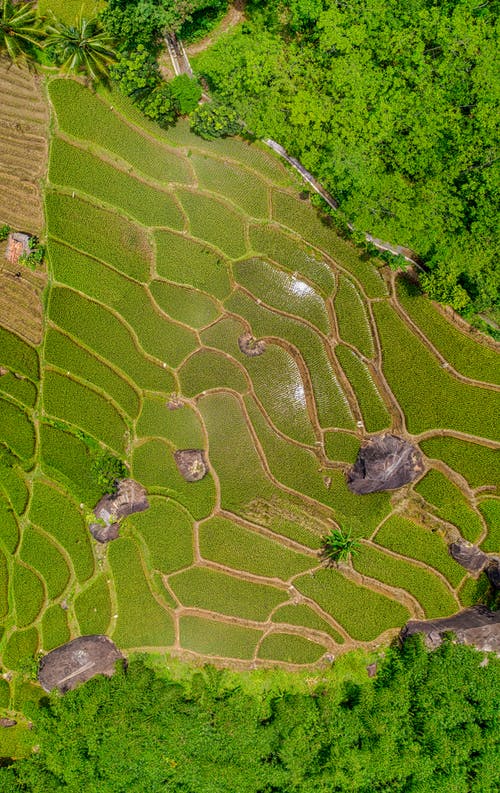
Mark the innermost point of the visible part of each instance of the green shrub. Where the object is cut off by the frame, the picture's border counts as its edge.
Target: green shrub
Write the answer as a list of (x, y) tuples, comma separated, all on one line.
[(211, 121), (186, 93)]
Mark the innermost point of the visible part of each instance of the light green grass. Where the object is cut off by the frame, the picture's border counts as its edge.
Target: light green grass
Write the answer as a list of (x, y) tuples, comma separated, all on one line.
[(209, 637), (207, 369), (4, 586), (167, 532), (358, 515), (341, 446), (9, 530), (185, 261), (43, 556), (62, 352), (254, 156), (224, 335), (68, 10), (68, 460), (450, 503), (101, 331), (301, 614), (293, 255), (202, 588), (85, 116), (232, 453), (303, 219), (214, 222), (79, 405), (181, 426), (16, 430), (282, 291), (55, 629), (479, 465), (278, 385), (157, 334), (101, 233), (290, 648), (332, 405), (413, 540), (141, 622), (17, 355), (434, 597), (364, 614), (4, 693), (232, 545), (23, 391), (244, 189), (153, 464), (443, 401), (29, 594), (292, 465), (375, 414), (20, 648), (93, 607), (352, 317), (14, 488), (59, 517), (75, 168), (474, 590), (490, 509), (464, 352), (189, 306)]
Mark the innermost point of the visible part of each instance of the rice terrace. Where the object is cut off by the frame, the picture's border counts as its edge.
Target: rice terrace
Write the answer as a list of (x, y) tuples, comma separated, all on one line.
[(192, 298)]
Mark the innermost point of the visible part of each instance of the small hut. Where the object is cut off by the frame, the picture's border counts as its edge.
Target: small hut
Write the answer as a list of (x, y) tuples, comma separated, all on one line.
[(18, 244)]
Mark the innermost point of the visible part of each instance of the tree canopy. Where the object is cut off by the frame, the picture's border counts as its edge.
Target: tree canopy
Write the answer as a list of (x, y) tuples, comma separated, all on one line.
[(394, 107), (426, 722)]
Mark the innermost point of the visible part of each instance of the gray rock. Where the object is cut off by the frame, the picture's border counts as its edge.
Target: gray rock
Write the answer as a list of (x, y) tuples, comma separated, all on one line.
[(477, 626), (7, 722), (191, 464), (469, 556), (77, 661), (130, 497), (492, 570), (250, 346), (385, 462)]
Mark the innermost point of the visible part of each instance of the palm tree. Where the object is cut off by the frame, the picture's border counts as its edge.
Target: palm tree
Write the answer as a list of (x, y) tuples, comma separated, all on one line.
[(20, 30), (339, 547), (82, 47)]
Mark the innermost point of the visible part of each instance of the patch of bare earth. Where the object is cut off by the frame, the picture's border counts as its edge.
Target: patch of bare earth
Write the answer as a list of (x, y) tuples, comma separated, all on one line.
[(24, 122)]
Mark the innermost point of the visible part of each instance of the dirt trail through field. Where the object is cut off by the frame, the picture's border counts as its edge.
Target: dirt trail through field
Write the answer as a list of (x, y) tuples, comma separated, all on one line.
[(234, 16)]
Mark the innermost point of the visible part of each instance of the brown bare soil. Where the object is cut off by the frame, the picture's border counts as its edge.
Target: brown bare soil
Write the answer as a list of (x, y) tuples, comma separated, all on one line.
[(24, 119)]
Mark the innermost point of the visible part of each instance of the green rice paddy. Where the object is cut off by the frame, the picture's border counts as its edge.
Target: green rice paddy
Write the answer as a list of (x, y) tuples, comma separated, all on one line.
[(163, 250)]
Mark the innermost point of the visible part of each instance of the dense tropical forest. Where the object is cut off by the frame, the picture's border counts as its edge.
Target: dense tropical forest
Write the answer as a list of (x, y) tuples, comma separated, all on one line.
[(428, 722)]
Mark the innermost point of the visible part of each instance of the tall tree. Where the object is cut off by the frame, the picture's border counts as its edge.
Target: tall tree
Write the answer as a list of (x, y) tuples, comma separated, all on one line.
[(82, 47), (20, 30)]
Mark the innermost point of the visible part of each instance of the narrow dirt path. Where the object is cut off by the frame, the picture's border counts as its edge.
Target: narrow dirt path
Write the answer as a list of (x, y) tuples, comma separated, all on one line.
[(234, 16)]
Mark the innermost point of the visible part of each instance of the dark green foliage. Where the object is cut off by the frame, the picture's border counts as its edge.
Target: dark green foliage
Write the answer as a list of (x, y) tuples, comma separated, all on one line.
[(338, 546), (427, 722), (212, 121), (186, 93), (390, 105), (108, 469)]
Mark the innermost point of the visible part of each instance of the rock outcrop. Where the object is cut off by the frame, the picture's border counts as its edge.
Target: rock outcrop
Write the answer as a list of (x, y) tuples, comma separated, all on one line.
[(476, 561), (477, 626), (385, 462), (250, 346), (191, 464), (77, 661), (130, 497)]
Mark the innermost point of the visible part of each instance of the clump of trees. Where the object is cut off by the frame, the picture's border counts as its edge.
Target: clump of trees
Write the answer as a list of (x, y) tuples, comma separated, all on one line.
[(427, 722), (391, 106)]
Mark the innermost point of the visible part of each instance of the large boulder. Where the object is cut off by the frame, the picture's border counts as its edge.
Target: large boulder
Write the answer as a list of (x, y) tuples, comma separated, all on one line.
[(130, 497), (77, 661), (191, 464), (469, 556), (477, 626), (385, 462)]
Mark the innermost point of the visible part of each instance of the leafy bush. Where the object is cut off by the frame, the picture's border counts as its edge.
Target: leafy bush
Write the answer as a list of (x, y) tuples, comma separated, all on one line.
[(212, 121), (186, 92)]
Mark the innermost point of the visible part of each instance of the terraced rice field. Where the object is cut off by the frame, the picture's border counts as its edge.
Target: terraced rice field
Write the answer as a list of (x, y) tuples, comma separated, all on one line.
[(24, 118), (163, 251)]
